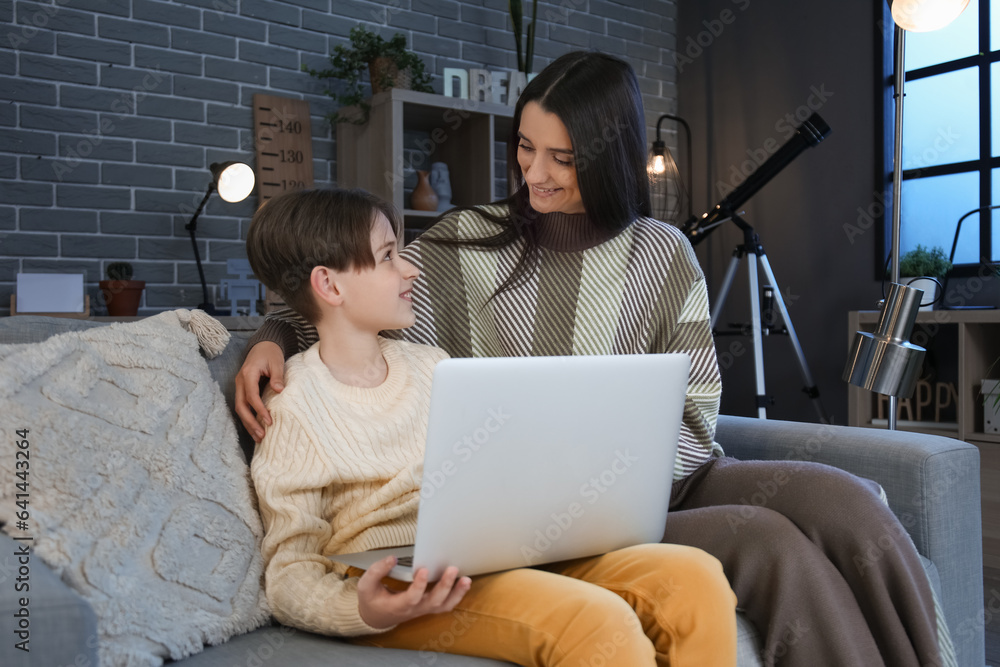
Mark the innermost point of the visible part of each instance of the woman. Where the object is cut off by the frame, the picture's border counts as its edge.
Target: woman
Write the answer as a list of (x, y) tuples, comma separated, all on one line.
[(572, 264)]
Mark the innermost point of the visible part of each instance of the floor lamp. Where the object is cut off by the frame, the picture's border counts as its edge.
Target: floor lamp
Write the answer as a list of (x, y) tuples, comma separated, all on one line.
[(234, 182), (663, 168), (885, 361)]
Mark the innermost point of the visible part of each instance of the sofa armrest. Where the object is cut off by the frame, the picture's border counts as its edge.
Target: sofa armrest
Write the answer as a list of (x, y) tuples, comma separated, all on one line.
[(932, 483), (61, 627)]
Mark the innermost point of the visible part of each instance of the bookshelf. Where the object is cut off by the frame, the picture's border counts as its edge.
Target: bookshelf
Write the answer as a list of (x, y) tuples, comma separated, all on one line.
[(408, 130)]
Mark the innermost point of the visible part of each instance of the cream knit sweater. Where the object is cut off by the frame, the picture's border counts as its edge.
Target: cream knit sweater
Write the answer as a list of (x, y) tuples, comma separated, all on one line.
[(339, 471)]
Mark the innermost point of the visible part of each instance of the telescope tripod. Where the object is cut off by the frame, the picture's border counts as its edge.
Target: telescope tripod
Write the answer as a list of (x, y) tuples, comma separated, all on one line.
[(752, 250)]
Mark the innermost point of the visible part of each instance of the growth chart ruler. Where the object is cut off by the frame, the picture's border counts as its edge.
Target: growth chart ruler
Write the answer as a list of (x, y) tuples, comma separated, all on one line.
[(283, 137)]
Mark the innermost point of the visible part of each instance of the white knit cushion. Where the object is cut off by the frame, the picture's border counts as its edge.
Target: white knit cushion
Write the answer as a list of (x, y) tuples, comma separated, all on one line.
[(137, 491)]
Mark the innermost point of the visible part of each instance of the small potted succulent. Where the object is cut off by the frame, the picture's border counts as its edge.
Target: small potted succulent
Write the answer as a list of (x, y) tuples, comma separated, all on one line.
[(387, 63), (924, 269), (121, 293)]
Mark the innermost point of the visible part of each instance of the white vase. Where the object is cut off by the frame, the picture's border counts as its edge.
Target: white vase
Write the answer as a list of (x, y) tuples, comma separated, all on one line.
[(930, 288), (442, 185)]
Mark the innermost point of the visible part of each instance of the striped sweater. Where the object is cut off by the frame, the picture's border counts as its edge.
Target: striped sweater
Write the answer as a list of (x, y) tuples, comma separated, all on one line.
[(640, 291)]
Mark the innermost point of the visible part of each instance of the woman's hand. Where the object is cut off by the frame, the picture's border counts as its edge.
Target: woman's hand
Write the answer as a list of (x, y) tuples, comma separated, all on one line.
[(383, 608), (265, 359)]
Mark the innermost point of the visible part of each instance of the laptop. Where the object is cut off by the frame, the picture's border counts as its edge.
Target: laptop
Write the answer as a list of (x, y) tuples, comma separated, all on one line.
[(532, 460)]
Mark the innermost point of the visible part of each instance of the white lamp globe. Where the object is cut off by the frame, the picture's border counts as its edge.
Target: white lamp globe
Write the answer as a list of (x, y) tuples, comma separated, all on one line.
[(926, 15), (235, 181)]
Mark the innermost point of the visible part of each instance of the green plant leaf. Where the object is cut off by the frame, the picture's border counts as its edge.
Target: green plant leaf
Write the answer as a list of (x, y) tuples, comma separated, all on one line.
[(530, 52), (517, 21), (529, 56)]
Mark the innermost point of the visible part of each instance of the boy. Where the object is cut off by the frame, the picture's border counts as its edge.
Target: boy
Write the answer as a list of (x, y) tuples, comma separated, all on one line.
[(339, 470), (351, 284)]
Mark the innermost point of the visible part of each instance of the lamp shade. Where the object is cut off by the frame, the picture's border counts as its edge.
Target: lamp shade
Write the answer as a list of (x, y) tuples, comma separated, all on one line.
[(925, 15), (885, 361), (233, 180)]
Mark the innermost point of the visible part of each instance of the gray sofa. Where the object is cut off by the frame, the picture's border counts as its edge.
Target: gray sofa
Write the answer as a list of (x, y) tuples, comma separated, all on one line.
[(932, 484)]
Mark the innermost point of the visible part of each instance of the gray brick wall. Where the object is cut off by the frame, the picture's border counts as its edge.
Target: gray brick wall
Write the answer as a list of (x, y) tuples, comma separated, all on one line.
[(113, 110)]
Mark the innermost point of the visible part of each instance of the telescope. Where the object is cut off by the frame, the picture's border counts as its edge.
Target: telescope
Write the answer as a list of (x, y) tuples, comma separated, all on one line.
[(812, 131), (809, 133)]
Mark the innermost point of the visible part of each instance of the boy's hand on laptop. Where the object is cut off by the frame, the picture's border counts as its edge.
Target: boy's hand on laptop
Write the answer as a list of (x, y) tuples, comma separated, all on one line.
[(381, 607), (265, 359)]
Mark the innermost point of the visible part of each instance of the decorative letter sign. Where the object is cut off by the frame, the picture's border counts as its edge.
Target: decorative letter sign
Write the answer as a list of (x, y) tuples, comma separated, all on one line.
[(480, 85)]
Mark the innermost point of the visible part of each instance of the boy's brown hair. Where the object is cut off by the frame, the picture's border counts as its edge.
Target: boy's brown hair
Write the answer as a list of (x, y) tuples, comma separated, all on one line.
[(298, 231)]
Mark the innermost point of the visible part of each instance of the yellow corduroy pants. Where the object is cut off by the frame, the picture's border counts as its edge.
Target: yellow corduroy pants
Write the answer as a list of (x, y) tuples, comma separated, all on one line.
[(652, 604)]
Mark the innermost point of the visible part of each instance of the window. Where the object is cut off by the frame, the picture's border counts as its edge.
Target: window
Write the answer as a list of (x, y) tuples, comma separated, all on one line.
[(951, 151)]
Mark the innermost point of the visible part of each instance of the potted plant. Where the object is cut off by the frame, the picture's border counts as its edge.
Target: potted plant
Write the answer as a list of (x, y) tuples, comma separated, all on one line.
[(121, 293), (517, 21), (387, 63), (925, 268)]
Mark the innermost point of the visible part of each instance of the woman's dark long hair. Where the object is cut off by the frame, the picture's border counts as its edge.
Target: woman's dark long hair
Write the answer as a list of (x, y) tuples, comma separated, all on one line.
[(597, 98)]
